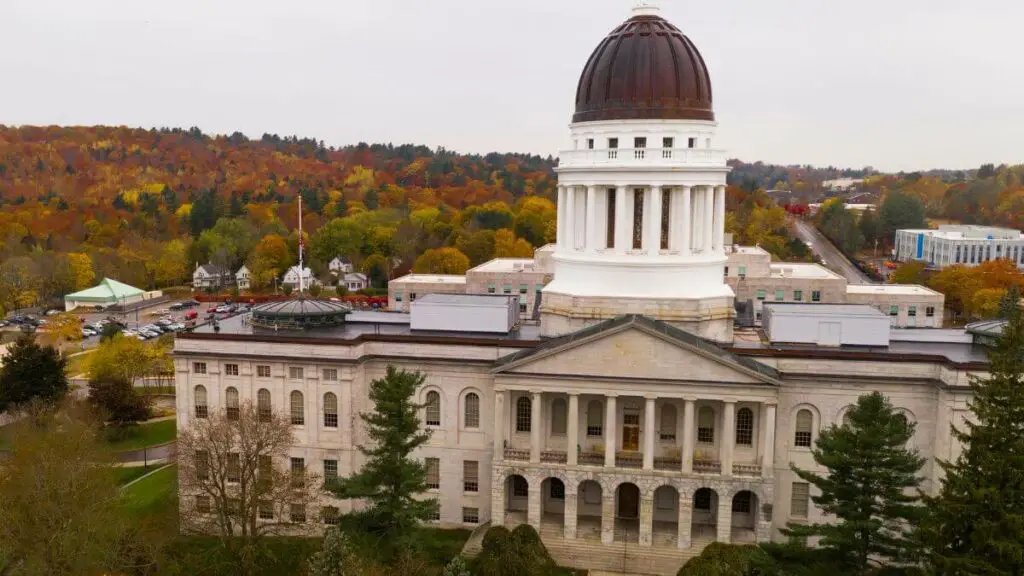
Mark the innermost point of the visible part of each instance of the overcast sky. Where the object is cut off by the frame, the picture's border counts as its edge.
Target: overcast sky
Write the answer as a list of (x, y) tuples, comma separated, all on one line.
[(895, 84)]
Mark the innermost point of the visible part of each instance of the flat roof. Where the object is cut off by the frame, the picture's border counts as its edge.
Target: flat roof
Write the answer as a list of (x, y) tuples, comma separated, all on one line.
[(477, 300), (834, 310), (747, 250), (431, 279), (891, 289), (968, 232), (801, 270), (507, 265)]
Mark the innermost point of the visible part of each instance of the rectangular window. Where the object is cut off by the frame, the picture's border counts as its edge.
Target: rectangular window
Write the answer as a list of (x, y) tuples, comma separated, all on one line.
[(640, 142), (692, 143), (264, 469), (590, 143), (330, 374), (231, 369), (816, 296), (398, 296), (667, 142), (894, 310), (524, 288), (234, 468), (298, 513), (800, 501), (506, 289), (202, 465), (522, 307), (638, 219), (539, 288), (199, 367), (330, 515), (412, 296), (435, 514), (743, 272), (613, 143), (471, 515), (798, 295), (295, 372), (780, 295), (929, 311), (203, 505), (266, 510), (912, 311), (762, 294), (490, 288), (298, 469), (433, 473), (262, 371), (470, 476), (330, 470)]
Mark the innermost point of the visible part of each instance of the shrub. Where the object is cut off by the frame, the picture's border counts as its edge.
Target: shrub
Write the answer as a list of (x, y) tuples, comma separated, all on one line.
[(719, 559), (516, 553)]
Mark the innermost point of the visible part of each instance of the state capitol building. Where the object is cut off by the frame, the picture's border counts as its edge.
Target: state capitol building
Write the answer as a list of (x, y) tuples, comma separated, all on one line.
[(623, 408)]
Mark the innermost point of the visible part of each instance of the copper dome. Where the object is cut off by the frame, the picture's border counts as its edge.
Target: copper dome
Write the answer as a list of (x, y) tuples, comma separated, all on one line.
[(645, 69)]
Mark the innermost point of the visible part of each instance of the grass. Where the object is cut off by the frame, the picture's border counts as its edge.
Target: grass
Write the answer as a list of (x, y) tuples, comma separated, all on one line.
[(439, 546), (144, 435), (151, 494), (76, 364), (125, 474)]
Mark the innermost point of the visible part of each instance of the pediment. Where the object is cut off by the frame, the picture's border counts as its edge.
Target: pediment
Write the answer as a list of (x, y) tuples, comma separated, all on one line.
[(639, 349)]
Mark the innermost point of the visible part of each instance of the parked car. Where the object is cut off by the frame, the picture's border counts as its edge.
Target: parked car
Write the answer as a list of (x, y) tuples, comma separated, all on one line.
[(176, 306), (191, 315), (87, 333), (129, 333), (222, 309), (53, 312), (3, 323)]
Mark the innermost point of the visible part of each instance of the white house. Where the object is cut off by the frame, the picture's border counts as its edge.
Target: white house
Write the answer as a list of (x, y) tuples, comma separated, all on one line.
[(243, 278), (340, 265), (291, 278), (355, 281), (211, 276)]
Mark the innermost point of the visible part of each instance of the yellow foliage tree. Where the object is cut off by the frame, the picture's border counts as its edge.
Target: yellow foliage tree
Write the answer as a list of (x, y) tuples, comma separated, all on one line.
[(81, 270), (506, 245), (441, 261), (172, 266)]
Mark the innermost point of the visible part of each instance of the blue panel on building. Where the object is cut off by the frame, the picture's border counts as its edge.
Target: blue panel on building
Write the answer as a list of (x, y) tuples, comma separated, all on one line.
[(920, 246)]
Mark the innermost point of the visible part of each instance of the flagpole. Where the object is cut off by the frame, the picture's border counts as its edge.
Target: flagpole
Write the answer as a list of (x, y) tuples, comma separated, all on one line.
[(300, 245)]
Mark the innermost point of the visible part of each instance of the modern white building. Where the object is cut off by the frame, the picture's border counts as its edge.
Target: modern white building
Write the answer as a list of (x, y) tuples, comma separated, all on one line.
[(631, 425), (960, 244)]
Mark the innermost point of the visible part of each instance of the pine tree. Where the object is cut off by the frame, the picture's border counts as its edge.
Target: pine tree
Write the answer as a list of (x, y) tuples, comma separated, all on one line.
[(31, 371), (976, 523), (391, 481), (868, 488)]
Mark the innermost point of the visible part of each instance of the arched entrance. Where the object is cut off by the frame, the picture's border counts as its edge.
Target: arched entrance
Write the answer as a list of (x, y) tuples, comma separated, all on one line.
[(704, 524), (588, 510), (627, 513), (744, 516), (666, 517), (517, 494), (552, 504)]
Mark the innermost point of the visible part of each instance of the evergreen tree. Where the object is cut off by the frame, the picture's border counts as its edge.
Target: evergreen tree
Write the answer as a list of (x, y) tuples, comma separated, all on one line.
[(871, 473), (31, 371), (391, 481), (976, 523)]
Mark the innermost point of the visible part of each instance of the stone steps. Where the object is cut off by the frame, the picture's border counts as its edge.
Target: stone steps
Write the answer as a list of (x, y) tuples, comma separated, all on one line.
[(628, 557)]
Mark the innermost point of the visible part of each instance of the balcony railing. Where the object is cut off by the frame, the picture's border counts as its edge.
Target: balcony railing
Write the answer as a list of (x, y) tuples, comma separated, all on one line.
[(517, 454), (746, 469), (707, 466), (643, 156), (674, 464), (629, 460), (553, 457), (591, 458)]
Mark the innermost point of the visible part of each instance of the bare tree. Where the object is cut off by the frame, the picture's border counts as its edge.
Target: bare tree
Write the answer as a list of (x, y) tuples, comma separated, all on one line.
[(237, 482)]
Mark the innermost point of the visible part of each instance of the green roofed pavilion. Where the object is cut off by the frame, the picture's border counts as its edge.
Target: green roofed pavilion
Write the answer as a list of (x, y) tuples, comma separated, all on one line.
[(106, 293)]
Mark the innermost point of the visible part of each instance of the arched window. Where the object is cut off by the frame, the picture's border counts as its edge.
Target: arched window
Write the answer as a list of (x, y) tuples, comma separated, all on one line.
[(202, 410), (595, 417), (804, 426), (472, 412), (298, 410), (558, 417), (668, 422), (231, 401), (524, 414), (263, 405), (330, 410), (745, 427), (706, 425), (433, 408)]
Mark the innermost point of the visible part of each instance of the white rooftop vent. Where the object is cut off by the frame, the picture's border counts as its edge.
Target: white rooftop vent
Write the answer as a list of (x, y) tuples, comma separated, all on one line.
[(825, 324)]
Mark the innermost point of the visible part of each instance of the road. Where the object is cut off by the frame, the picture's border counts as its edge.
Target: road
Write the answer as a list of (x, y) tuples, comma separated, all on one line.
[(829, 254)]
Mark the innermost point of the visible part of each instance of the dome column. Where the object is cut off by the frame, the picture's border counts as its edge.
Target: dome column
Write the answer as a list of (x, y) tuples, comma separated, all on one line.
[(708, 218), (622, 235), (652, 221), (569, 238), (591, 215), (685, 221), (560, 212), (720, 219)]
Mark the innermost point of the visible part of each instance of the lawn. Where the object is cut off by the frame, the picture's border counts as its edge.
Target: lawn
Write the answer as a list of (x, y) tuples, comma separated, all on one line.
[(143, 435), (76, 364), (152, 493), (125, 474)]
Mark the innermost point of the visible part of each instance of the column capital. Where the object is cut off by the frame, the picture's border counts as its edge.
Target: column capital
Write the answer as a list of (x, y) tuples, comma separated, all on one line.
[(500, 389), (572, 393), (535, 392), (773, 403), (729, 400), (690, 398), (651, 396), (611, 394)]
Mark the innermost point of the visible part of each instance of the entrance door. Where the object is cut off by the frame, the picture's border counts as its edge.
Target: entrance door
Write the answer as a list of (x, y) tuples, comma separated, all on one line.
[(629, 501), (631, 432)]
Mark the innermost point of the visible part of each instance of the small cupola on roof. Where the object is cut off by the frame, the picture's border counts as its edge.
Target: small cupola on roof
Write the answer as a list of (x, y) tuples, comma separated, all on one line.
[(645, 69)]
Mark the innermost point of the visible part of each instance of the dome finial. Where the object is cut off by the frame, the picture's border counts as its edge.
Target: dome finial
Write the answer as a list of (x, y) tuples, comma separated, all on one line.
[(646, 8)]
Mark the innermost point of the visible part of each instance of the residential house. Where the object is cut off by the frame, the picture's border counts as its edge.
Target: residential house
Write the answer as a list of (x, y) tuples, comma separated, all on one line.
[(243, 278), (340, 265), (355, 281), (211, 277), (291, 278)]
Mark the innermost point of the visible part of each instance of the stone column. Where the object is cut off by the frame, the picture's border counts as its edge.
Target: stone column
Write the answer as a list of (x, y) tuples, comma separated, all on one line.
[(500, 409), (609, 432), (607, 516), (580, 223), (649, 434), (687, 452), (720, 219), (570, 514), (533, 504), (646, 518), (728, 436), (497, 498), (652, 221), (573, 430), (591, 230), (724, 519), (685, 521), (536, 430), (709, 217), (570, 218), (697, 209), (685, 222), (560, 232), (768, 442), (622, 235)]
